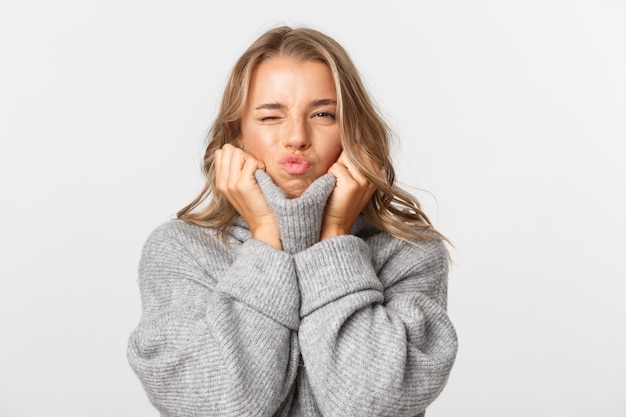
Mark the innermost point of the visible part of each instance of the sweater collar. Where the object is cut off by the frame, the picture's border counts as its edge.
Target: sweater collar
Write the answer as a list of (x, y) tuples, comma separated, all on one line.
[(299, 219)]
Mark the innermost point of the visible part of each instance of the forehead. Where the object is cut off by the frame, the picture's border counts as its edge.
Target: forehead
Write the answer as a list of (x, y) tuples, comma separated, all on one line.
[(291, 78)]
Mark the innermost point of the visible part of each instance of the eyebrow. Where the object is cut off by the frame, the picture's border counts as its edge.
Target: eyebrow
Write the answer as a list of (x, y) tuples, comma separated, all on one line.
[(322, 102), (280, 106), (270, 106)]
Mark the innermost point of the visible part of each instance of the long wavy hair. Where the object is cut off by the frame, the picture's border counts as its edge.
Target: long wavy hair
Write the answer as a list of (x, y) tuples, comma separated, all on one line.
[(364, 134)]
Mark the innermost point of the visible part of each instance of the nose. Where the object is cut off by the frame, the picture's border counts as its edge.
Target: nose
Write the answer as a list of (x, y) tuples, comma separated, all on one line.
[(297, 136)]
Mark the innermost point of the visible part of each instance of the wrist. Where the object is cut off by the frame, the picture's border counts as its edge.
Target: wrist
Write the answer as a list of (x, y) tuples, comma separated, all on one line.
[(330, 231), (269, 234)]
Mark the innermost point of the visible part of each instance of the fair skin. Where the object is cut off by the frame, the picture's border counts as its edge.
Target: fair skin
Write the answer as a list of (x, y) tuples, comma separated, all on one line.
[(289, 129)]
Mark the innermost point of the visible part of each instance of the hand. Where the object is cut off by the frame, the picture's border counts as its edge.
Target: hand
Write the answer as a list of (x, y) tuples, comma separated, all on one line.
[(352, 192), (234, 178)]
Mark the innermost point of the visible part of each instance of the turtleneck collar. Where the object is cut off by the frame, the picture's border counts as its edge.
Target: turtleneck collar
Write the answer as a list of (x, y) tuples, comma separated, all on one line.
[(299, 219)]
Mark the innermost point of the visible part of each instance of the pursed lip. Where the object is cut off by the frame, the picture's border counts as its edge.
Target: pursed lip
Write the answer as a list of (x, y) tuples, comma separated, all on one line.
[(295, 164)]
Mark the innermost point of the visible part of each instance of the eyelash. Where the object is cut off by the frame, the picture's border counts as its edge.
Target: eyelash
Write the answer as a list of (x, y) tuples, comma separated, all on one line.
[(318, 114)]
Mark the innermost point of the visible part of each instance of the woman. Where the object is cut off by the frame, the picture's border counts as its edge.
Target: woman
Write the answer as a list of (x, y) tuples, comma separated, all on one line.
[(301, 281)]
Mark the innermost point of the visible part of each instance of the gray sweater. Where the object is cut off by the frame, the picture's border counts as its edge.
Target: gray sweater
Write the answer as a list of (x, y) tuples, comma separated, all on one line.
[(354, 325)]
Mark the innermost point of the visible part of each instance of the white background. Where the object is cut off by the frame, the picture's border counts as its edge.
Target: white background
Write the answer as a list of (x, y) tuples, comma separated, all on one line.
[(511, 120)]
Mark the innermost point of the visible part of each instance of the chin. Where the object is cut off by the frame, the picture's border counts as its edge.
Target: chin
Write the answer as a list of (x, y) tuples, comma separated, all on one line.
[(294, 193), (295, 188)]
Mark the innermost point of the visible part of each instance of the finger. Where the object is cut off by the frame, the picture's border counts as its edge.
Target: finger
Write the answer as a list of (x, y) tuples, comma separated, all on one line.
[(223, 158), (338, 169), (350, 179), (352, 169), (236, 162), (249, 166), (357, 174), (344, 178)]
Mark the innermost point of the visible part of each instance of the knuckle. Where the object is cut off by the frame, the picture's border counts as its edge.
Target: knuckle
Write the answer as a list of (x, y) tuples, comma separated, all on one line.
[(352, 186), (221, 187), (240, 187), (231, 186)]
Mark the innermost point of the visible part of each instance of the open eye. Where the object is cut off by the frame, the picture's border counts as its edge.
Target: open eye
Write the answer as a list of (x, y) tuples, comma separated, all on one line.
[(324, 114)]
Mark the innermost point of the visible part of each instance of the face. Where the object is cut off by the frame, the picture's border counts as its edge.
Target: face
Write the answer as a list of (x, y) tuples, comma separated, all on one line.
[(289, 122)]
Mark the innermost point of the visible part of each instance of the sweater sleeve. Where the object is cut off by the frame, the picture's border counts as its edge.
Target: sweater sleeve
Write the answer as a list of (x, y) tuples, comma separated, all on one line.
[(374, 333), (215, 338)]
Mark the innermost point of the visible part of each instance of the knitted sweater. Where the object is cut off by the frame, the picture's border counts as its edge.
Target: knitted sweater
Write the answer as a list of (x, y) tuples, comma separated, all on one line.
[(353, 326)]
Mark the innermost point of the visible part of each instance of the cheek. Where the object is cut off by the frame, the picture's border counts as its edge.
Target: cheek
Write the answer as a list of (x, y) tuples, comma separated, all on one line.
[(256, 151), (253, 143), (332, 155)]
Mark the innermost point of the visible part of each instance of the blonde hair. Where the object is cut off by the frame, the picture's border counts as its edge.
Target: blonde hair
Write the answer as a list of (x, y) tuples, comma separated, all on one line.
[(364, 134)]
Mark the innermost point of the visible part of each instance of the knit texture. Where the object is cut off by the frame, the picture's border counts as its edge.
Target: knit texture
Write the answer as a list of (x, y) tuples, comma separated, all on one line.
[(353, 326)]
